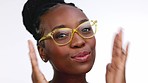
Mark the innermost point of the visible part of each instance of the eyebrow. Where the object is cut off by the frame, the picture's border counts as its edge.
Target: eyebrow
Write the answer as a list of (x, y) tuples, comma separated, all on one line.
[(82, 21), (62, 26)]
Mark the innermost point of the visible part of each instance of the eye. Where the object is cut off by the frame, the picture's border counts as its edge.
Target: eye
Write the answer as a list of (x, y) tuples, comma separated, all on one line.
[(86, 29), (61, 35)]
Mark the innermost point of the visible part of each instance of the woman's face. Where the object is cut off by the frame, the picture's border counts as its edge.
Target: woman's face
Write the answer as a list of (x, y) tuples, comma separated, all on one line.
[(76, 57)]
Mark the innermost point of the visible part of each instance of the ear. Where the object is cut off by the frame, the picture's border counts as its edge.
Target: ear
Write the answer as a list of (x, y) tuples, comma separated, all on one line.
[(42, 53)]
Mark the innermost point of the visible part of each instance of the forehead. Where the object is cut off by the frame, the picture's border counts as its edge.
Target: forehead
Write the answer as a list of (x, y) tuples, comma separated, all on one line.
[(62, 15)]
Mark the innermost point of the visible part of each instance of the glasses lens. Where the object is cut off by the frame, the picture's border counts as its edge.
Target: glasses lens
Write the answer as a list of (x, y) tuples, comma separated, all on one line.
[(62, 36), (87, 29)]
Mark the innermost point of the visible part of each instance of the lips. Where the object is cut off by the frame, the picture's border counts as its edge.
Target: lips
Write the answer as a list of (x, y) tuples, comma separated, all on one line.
[(81, 56)]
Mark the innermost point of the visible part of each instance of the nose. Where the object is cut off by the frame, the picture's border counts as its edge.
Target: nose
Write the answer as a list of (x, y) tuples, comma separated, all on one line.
[(77, 41)]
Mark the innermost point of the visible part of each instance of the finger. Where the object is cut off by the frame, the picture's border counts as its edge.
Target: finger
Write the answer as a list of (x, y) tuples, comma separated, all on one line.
[(118, 43), (37, 76), (124, 58), (120, 38), (33, 58), (117, 47), (127, 48), (118, 58), (114, 46), (125, 53), (32, 55)]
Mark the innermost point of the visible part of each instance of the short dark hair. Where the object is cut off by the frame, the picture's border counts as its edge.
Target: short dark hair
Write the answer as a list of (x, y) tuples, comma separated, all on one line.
[(32, 11)]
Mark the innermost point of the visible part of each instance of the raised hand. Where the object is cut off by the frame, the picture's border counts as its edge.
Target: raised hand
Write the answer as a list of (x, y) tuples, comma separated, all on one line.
[(37, 76), (115, 71)]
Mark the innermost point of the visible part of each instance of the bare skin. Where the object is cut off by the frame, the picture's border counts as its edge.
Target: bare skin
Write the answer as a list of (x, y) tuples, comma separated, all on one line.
[(37, 76), (115, 71)]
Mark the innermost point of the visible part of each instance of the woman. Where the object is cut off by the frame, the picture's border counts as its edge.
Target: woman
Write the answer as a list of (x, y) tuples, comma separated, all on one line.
[(65, 38)]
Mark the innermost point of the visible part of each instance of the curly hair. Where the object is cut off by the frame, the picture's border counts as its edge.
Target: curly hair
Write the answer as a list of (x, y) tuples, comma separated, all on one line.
[(32, 11)]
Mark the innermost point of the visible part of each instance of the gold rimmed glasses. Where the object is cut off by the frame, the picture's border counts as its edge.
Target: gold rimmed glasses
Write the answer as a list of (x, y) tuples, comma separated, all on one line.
[(63, 36)]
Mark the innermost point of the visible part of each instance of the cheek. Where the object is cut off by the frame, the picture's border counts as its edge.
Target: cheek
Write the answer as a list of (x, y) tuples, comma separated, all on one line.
[(54, 51), (93, 48), (92, 43), (58, 57)]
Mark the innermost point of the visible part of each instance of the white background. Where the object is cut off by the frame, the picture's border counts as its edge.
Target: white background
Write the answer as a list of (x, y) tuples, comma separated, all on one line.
[(131, 15)]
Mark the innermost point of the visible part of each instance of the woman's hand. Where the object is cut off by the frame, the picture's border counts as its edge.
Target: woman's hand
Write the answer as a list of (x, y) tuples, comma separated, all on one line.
[(115, 71), (37, 76)]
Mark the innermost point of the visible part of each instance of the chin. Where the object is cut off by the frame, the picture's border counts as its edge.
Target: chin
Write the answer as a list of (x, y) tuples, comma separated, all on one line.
[(84, 68)]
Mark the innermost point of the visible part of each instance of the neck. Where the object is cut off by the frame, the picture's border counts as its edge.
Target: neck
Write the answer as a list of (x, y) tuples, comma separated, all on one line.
[(68, 78)]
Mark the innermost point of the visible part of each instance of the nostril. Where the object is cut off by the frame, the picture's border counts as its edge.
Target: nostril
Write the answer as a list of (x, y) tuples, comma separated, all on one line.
[(83, 44), (78, 44)]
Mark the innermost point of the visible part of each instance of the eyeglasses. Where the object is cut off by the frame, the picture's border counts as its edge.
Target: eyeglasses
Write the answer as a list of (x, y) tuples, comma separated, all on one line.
[(63, 36)]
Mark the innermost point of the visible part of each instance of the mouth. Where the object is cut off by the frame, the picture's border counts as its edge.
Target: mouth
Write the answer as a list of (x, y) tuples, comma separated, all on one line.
[(81, 56)]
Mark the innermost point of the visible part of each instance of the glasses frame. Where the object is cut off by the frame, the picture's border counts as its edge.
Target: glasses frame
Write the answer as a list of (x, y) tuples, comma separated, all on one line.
[(50, 34)]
